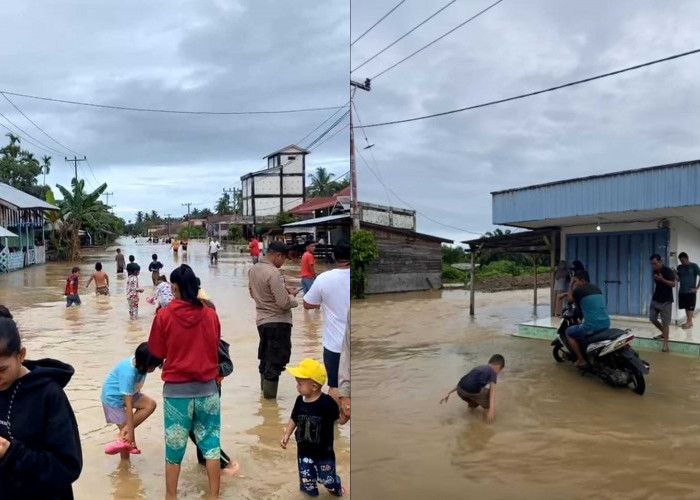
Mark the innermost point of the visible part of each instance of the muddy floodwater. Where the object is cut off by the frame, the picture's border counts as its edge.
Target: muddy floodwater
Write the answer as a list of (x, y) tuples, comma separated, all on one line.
[(94, 337), (556, 435)]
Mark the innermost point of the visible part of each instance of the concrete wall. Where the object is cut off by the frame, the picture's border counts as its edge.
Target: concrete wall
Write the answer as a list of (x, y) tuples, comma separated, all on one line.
[(267, 185), (267, 206), (295, 166), (402, 282), (293, 185), (384, 217)]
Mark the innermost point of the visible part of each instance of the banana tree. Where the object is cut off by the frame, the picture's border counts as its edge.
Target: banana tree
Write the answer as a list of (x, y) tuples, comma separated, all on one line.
[(76, 207)]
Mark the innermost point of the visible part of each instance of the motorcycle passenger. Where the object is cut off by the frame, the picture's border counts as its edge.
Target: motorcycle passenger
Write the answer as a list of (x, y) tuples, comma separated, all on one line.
[(590, 302)]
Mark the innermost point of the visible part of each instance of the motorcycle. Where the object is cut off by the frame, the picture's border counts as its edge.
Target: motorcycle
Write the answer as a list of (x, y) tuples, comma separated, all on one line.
[(608, 354)]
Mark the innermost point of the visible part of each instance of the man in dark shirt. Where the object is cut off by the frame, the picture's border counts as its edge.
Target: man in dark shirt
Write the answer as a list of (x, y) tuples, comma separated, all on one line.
[(687, 274), (662, 300), (154, 267), (132, 265), (590, 303), (478, 387)]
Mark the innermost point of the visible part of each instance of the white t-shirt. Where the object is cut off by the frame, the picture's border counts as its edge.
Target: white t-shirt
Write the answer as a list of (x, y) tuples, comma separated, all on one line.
[(213, 247), (332, 291)]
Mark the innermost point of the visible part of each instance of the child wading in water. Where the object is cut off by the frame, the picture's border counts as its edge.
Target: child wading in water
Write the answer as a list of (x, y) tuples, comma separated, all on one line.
[(40, 454), (101, 280), (72, 288), (122, 401), (163, 295), (473, 389), (132, 292), (313, 418), (154, 267)]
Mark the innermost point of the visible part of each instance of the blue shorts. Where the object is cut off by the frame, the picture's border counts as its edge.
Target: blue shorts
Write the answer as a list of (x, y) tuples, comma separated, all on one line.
[(579, 331), (306, 284)]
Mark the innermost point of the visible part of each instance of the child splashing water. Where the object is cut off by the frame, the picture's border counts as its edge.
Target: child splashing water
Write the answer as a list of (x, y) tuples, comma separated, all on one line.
[(163, 294), (122, 401), (40, 453), (132, 292)]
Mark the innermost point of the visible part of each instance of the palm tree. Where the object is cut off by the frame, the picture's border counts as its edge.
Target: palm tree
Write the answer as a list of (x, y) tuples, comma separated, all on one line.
[(497, 232), (13, 139), (76, 207), (139, 217), (223, 206), (46, 167), (322, 183), (154, 216)]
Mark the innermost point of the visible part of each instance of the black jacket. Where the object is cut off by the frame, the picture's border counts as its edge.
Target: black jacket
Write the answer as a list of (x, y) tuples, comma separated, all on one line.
[(44, 457)]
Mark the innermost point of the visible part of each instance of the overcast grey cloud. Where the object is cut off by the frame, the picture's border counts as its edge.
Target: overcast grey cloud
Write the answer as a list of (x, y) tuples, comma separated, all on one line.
[(216, 55), (447, 167)]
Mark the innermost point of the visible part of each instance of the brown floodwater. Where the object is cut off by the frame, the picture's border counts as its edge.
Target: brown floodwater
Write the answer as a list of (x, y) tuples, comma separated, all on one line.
[(94, 337), (556, 435)]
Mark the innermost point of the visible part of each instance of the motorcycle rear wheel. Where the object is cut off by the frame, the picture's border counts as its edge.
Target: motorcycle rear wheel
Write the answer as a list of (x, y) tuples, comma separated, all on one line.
[(638, 383), (559, 353)]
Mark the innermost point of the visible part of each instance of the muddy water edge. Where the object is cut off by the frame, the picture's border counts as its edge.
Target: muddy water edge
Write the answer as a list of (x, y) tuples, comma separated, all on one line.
[(94, 337), (556, 435)]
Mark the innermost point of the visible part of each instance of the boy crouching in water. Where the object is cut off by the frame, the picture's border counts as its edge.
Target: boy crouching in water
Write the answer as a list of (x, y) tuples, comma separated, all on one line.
[(313, 418), (478, 387)]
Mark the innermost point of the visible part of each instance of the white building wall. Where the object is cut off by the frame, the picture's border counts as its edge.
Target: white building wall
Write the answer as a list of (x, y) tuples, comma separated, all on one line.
[(267, 185), (293, 185), (295, 166), (267, 206), (384, 218), (684, 238)]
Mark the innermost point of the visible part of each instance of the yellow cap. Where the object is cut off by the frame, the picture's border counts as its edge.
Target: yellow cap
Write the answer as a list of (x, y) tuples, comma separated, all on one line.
[(311, 369)]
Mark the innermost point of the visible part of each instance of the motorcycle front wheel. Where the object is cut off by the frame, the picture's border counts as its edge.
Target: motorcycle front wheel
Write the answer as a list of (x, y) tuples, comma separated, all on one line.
[(559, 353)]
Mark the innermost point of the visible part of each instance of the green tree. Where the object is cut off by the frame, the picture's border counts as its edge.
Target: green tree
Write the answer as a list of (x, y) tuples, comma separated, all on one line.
[(235, 234), (322, 183), (223, 206), (191, 232), (154, 217), (341, 184), (363, 251), (204, 213), (453, 255), (285, 218), (46, 166), (76, 207), (20, 169)]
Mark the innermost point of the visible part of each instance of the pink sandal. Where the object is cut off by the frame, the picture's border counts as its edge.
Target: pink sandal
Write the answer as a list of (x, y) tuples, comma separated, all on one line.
[(118, 446)]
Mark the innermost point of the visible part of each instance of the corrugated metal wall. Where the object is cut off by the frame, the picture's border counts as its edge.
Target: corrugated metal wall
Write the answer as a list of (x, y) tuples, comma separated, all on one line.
[(666, 187)]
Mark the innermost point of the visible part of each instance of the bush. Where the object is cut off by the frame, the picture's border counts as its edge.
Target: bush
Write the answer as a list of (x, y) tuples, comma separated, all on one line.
[(453, 255), (235, 235), (450, 273), (363, 251), (499, 268), (191, 232)]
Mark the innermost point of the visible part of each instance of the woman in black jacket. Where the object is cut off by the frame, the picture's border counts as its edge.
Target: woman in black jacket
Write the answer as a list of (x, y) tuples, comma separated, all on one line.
[(40, 454)]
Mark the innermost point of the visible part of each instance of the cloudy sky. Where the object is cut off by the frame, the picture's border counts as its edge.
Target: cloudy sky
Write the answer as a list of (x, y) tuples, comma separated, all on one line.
[(447, 167), (215, 55)]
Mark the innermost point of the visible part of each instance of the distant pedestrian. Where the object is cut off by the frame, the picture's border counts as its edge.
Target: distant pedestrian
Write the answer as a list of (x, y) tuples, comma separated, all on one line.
[(661, 305), (154, 267), (254, 250), (175, 245), (71, 291), (687, 274), (101, 279), (308, 267), (132, 265), (561, 278), (120, 261), (313, 424), (213, 251), (478, 387), (132, 293), (273, 305), (331, 291)]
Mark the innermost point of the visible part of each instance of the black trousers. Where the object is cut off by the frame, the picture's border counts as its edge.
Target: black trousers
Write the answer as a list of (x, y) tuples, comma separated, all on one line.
[(274, 350)]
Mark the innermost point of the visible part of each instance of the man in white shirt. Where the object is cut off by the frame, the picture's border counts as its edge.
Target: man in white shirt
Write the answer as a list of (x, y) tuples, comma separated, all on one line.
[(331, 292), (213, 251)]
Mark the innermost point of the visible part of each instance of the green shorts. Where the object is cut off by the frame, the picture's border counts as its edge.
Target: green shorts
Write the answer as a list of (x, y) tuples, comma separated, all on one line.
[(203, 416)]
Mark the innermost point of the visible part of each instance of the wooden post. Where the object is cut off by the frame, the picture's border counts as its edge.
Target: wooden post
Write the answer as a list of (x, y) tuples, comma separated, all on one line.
[(534, 262), (553, 270), (472, 283)]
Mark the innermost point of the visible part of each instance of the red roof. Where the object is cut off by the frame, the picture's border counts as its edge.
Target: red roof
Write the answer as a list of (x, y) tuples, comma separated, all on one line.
[(319, 203)]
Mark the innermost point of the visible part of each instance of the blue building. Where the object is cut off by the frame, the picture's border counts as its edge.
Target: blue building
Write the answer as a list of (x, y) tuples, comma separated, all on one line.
[(613, 223)]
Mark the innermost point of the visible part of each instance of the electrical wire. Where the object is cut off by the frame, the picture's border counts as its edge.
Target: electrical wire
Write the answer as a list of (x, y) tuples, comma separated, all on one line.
[(43, 146), (23, 139), (347, 125), (170, 111), (37, 126), (404, 35), (359, 120), (437, 39), (91, 171), (380, 20), (322, 123), (530, 94), (423, 214), (342, 117)]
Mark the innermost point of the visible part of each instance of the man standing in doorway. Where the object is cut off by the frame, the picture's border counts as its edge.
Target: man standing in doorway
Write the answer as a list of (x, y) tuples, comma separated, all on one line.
[(687, 273), (332, 291), (662, 301), (274, 306), (254, 250), (308, 267)]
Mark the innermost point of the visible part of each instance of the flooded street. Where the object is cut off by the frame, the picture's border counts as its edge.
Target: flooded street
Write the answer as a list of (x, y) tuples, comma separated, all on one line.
[(556, 435), (94, 337)]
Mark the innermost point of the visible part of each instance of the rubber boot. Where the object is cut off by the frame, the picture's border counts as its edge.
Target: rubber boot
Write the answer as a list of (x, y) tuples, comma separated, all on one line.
[(262, 382), (269, 389)]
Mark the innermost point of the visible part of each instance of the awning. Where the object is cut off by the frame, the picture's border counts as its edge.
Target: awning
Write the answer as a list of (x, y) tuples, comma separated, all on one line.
[(4, 233), (299, 230), (330, 220)]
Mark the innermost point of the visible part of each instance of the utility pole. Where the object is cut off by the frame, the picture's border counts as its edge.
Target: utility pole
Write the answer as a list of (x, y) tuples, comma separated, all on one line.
[(188, 218), (234, 193), (108, 195), (353, 170), (167, 216), (75, 161)]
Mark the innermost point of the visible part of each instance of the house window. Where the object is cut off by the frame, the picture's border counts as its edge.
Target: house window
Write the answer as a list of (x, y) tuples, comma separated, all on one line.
[(291, 158)]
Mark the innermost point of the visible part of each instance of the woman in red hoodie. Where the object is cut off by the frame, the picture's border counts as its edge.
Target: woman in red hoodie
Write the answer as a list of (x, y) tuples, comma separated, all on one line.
[(186, 334)]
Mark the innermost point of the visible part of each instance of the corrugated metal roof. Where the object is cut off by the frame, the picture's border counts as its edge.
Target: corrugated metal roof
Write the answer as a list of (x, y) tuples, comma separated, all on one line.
[(654, 188), (20, 199), (319, 221), (4, 233)]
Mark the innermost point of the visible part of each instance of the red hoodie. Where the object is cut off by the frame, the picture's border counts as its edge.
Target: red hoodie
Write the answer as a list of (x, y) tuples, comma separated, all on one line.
[(187, 337)]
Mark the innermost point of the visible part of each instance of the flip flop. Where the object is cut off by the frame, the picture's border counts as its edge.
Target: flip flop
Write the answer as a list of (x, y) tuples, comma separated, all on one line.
[(117, 447), (659, 337), (134, 450)]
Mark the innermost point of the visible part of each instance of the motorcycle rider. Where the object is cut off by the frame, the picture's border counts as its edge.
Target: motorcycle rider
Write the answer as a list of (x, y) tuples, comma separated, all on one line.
[(590, 302)]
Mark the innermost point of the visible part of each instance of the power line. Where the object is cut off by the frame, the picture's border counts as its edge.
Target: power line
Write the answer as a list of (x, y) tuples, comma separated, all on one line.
[(343, 116), (45, 146), (322, 123), (359, 120), (404, 35), (22, 138), (437, 39), (330, 137), (411, 207), (380, 20), (38, 127), (530, 94), (91, 171), (170, 111)]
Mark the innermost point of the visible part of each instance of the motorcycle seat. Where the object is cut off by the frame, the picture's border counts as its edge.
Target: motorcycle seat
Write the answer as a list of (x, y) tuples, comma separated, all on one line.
[(609, 334)]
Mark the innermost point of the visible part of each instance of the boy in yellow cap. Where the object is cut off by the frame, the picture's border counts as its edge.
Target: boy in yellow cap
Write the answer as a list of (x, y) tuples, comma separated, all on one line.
[(313, 418)]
